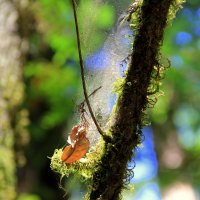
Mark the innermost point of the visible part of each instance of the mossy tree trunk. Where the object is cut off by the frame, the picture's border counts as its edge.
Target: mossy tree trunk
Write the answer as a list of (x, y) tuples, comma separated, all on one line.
[(108, 180), (12, 51)]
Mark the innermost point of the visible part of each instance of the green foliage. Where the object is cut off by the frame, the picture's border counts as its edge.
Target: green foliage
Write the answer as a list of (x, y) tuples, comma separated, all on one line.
[(56, 29), (55, 84)]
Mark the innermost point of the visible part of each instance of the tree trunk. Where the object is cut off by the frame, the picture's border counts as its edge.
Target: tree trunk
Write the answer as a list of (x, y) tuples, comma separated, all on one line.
[(108, 180), (11, 93)]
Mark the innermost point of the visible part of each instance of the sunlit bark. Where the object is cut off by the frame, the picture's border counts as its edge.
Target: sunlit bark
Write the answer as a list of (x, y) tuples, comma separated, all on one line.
[(12, 49)]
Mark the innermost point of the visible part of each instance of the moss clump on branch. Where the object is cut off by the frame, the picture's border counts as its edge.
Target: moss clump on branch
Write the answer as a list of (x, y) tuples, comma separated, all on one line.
[(85, 167)]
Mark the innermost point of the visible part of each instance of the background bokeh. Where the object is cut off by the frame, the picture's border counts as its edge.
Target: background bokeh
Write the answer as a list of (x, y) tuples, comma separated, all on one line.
[(40, 87)]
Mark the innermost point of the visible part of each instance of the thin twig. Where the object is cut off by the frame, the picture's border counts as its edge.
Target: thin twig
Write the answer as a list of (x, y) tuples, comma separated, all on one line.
[(91, 94), (82, 71)]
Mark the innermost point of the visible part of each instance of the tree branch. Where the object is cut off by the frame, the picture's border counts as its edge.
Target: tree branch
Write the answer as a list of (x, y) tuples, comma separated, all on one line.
[(108, 180)]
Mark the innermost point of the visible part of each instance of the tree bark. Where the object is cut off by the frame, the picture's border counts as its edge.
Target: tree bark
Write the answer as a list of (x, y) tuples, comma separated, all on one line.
[(12, 49), (108, 180)]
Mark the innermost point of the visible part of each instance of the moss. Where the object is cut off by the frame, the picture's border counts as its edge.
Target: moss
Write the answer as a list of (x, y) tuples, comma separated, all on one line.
[(82, 167), (175, 6), (118, 86), (85, 167)]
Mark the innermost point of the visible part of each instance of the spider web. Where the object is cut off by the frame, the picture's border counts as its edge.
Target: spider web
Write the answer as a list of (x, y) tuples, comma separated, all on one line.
[(104, 50)]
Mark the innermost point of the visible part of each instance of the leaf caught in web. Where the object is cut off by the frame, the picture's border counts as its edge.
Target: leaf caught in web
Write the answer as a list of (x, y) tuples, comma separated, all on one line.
[(79, 145)]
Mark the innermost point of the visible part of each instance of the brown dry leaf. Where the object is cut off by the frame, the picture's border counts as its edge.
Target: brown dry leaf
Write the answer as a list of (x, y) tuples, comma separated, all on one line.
[(71, 154), (79, 145)]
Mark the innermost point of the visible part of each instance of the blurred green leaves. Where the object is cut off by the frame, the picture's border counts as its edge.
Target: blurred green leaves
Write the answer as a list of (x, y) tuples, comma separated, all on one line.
[(180, 83), (57, 86), (55, 22), (176, 115)]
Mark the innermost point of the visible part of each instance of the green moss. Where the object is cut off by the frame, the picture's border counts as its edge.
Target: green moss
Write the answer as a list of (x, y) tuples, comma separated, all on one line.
[(118, 86), (176, 5), (85, 167)]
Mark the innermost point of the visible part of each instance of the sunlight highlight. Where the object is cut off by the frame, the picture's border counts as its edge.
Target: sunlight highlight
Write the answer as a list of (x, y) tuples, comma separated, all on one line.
[(180, 191)]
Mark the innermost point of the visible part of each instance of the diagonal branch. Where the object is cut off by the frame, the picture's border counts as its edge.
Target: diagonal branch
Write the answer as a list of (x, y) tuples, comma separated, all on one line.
[(108, 180)]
